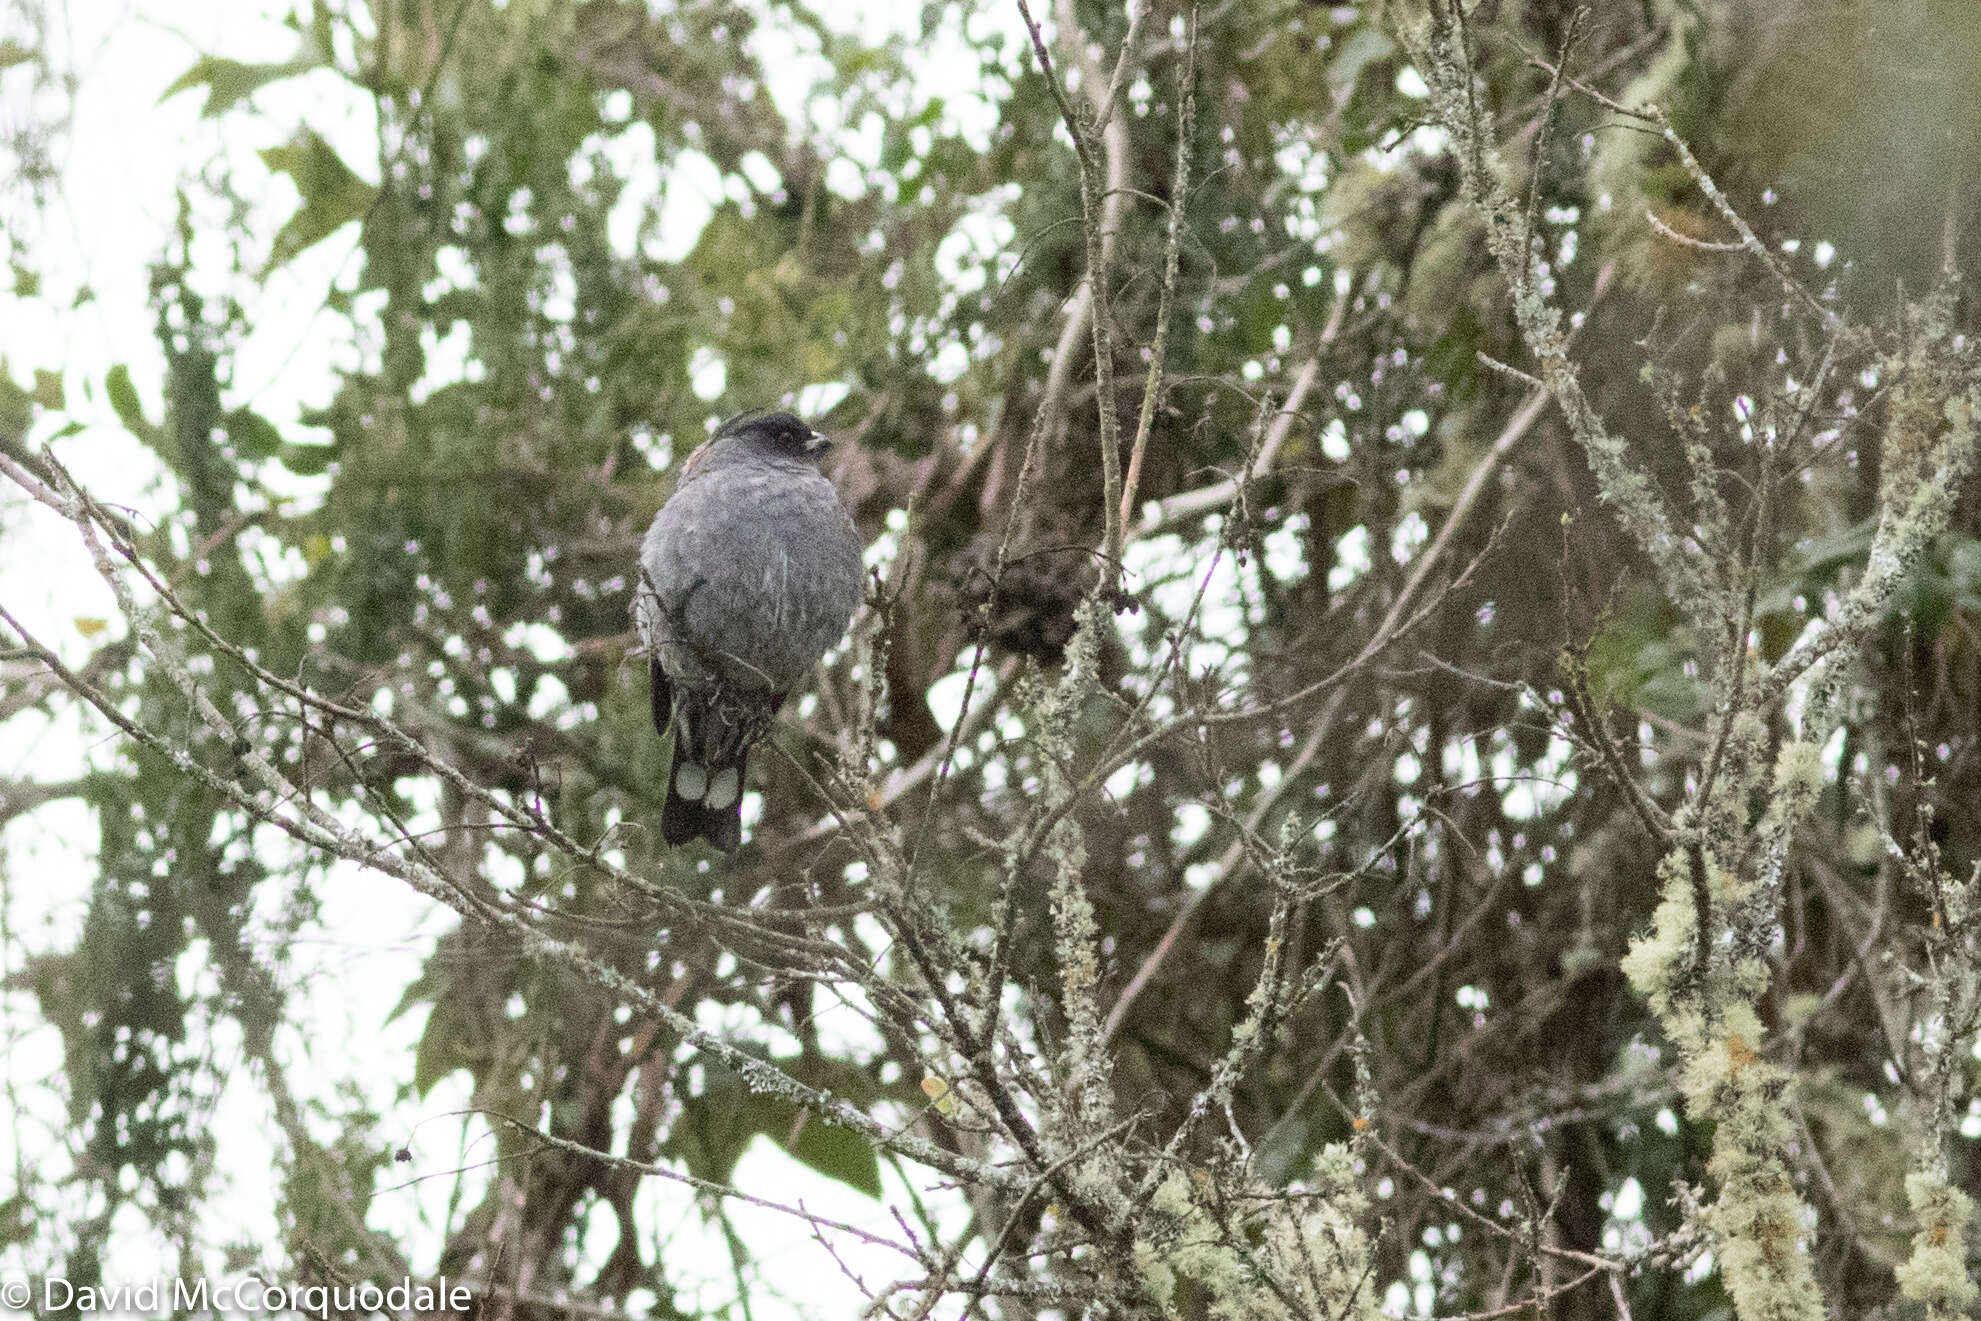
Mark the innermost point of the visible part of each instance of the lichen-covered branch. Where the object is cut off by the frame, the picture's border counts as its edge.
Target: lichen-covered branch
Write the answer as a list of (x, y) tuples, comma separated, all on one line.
[(1705, 963), (1684, 570)]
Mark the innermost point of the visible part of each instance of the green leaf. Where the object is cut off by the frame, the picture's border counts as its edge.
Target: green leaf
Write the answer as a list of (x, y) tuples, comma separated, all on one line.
[(124, 398), (15, 412), (12, 53), (838, 1153), (714, 1127), (18, 1222), (254, 436), (321, 25), (1779, 629), (452, 1035), (48, 388), (333, 196), (229, 82), (307, 460)]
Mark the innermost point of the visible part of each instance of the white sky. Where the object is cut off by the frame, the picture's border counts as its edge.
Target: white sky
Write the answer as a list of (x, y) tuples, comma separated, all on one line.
[(113, 211)]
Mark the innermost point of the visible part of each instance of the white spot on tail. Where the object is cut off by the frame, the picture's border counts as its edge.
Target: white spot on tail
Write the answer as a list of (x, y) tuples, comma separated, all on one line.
[(690, 781), (722, 790)]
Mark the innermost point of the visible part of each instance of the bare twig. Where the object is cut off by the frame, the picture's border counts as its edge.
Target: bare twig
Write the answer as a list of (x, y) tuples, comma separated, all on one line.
[(1179, 195)]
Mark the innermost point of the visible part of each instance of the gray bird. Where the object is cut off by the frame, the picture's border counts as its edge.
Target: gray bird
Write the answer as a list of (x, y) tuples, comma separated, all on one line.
[(750, 571)]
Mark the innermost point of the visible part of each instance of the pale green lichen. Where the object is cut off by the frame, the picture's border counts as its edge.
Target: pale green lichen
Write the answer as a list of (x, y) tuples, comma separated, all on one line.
[(1718, 1061), (1936, 1272), (1762, 1222), (1747, 739), (1076, 935), (1269, 1258), (1157, 1279), (1654, 957), (1707, 1011), (1764, 1257), (1799, 768), (1704, 962)]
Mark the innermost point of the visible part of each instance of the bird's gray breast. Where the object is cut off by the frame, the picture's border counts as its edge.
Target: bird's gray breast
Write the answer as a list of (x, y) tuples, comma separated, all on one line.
[(749, 573)]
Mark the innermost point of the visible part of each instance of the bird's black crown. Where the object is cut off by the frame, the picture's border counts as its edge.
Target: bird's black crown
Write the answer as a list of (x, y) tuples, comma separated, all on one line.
[(782, 432)]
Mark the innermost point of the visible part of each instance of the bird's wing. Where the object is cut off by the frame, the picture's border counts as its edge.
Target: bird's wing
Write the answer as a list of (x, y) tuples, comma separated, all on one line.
[(663, 696)]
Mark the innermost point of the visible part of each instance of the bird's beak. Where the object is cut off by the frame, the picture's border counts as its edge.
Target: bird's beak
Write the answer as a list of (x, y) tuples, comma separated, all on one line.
[(818, 444)]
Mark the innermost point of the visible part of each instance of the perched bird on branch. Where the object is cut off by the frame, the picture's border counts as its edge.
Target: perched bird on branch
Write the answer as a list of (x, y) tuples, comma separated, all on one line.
[(750, 571)]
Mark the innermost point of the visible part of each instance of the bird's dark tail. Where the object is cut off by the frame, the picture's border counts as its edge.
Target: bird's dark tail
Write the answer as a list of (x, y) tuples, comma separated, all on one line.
[(703, 799), (705, 780), (713, 734)]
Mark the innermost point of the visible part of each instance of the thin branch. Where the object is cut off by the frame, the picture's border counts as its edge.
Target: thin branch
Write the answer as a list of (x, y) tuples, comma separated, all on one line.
[(1179, 195)]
